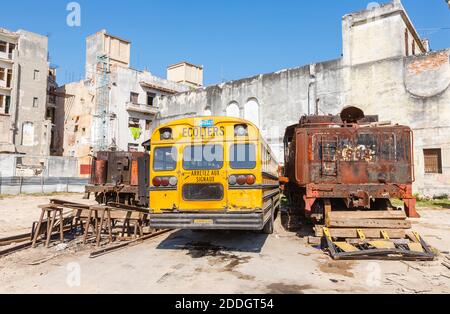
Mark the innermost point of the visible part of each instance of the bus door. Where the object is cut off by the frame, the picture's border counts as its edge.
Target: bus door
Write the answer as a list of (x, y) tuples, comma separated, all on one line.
[(203, 179)]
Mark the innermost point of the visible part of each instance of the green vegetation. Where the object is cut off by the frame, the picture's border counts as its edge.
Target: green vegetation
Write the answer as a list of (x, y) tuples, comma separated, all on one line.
[(438, 202)]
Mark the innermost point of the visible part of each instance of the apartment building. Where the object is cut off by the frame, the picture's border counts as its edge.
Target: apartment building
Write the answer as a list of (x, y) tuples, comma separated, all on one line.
[(24, 78)]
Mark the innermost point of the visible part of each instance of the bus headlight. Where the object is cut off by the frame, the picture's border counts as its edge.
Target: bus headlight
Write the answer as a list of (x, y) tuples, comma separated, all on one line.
[(232, 180)]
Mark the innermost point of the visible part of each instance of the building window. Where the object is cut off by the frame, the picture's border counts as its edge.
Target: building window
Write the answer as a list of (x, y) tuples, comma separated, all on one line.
[(9, 78), (35, 102), (413, 47), (134, 98), (406, 42), (2, 100), (148, 125), (3, 46), (7, 104), (11, 48), (151, 99), (133, 148), (433, 160), (28, 134), (36, 75), (2, 74), (133, 123)]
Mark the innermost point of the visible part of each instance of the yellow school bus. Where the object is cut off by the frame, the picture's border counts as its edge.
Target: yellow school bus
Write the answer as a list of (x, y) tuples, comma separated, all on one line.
[(212, 173)]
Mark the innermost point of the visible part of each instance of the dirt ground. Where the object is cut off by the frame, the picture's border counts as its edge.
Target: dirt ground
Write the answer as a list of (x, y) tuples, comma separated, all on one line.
[(213, 262)]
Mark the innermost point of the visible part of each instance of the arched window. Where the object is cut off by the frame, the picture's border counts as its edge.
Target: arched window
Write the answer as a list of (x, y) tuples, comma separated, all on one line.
[(28, 134), (251, 111), (233, 110), (207, 112)]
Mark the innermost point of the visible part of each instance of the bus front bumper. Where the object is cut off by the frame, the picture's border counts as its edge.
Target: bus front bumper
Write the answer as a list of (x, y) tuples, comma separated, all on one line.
[(210, 221)]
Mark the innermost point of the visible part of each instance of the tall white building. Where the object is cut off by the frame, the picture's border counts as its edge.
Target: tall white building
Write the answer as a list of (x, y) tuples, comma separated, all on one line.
[(25, 122)]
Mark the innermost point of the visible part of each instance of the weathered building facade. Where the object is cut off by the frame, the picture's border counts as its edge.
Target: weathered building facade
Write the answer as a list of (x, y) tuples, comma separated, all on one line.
[(25, 127), (386, 69), (114, 107)]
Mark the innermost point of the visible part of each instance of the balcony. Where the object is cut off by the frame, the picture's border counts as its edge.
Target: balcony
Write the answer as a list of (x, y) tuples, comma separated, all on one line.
[(141, 108)]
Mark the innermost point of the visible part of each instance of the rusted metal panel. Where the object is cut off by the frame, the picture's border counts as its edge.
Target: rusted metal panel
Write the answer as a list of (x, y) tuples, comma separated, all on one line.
[(99, 176), (134, 180), (350, 157)]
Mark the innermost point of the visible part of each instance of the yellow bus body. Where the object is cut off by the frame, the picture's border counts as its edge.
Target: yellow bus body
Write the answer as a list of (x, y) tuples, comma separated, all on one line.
[(187, 152)]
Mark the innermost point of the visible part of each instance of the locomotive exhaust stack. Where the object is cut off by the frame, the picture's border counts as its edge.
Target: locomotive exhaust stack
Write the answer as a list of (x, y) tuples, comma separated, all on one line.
[(342, 172)]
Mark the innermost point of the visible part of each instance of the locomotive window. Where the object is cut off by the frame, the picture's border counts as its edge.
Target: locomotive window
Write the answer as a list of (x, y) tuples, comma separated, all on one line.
[(165, 159), (203, 157), (243, 156), (388, 147)]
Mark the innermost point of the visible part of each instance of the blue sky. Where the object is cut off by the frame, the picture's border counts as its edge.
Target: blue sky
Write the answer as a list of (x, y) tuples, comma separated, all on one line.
[(232, 39)]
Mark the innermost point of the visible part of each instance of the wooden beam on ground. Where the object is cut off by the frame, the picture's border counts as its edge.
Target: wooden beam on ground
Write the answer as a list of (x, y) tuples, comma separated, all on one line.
[(369, 233), (381, 214), (370, 223)]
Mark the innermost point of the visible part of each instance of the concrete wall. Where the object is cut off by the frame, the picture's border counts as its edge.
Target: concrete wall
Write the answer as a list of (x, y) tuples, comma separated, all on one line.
[(57, 174)]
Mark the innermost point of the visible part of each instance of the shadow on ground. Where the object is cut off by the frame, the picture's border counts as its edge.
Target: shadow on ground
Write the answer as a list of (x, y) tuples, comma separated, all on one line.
[(205, 243)]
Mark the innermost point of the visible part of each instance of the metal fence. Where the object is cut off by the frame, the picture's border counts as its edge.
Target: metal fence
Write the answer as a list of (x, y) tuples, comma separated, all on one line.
[(36, 185)]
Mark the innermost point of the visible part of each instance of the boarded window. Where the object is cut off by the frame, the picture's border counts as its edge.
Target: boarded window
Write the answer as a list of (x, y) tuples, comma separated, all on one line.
[(433, 160), (134, 98), (35, 102), (36, 75), (28, 134)]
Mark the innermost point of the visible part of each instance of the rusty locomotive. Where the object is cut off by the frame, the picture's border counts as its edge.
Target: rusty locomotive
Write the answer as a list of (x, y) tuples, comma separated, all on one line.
[(120, 177), (348, 162)]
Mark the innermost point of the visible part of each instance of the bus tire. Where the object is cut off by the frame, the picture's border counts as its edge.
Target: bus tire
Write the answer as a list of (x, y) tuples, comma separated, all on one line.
[(268, 227)]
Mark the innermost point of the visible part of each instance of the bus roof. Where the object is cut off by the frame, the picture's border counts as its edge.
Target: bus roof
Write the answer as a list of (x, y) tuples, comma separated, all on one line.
[(192, 120)]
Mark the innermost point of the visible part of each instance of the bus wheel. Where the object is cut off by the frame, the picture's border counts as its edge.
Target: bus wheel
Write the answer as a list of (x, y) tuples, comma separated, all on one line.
[(268, 227)]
